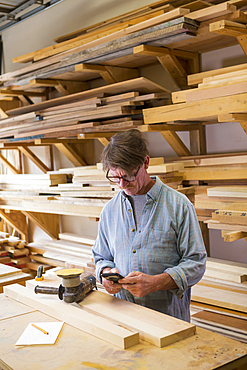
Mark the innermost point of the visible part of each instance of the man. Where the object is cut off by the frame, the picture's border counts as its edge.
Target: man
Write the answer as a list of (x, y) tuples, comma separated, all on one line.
[(148, 232)]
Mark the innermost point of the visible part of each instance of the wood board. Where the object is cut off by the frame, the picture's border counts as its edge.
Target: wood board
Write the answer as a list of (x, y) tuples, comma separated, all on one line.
[(154, 327), (218, 297)]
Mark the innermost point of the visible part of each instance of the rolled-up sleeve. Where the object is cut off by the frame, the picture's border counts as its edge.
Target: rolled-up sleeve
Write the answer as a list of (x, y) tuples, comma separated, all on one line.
[(192, 253)]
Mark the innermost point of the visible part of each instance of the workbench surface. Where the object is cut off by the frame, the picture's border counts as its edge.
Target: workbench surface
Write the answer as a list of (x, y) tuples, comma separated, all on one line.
[(75, 349)]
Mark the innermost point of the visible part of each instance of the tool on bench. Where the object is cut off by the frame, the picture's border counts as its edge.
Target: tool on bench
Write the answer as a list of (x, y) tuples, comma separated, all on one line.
[(72, 289), (39, 276)]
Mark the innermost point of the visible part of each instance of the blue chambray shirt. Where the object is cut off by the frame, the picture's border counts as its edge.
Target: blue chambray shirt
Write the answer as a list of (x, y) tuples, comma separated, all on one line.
[(168, 240)]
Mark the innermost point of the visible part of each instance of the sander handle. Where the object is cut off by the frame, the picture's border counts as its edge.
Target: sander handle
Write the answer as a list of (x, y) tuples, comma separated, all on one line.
[(46, 290)]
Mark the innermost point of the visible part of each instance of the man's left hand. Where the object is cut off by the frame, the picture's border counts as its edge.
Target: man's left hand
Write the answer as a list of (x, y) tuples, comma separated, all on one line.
[(138, 283)]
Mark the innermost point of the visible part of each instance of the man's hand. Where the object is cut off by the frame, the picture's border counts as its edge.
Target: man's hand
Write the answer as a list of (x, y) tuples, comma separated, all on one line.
[(140, 284), (110, 286)]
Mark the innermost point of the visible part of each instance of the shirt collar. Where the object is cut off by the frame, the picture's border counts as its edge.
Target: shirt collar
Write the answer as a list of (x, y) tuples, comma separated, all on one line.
[(152, 193)]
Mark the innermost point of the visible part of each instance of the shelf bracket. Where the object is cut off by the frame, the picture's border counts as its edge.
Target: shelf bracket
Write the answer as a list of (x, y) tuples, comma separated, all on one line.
[(29, 154), (17, 221), (71, 154), (176, 62), (48, 222), (110, 74), (176, 143), (7, 164)]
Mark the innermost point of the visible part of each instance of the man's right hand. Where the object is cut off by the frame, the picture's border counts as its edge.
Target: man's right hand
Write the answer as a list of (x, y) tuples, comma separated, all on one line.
[(110, 286)]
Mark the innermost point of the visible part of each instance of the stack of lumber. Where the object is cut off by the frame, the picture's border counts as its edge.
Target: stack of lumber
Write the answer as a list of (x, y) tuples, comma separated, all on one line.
[(219, 299), (230, 205), (31, 181), (15, 251), (110, 45), (114, 113), (215, 169), (107, 44), (69, 251), (224, 298), (225, 322), (59, 61), (104, 109), (219, 97)]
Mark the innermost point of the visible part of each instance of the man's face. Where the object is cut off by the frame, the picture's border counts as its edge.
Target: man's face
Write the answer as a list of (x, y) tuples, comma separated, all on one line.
[(130, 187)]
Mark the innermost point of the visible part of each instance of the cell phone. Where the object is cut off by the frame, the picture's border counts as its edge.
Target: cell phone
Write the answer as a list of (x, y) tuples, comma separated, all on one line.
[(112, 276)]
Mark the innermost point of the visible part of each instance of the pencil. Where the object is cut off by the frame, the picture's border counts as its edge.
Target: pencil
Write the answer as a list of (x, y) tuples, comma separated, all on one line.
[(37, 327)]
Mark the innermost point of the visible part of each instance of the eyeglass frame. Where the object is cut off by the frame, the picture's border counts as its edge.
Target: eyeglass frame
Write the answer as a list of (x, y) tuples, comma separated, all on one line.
[(121, 177)]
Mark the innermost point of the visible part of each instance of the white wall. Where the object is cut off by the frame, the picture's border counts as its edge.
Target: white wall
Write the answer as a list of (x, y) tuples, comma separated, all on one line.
[(70, 15)]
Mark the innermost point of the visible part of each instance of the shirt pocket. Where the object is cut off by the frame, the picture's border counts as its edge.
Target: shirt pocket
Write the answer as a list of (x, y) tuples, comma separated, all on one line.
[(161, 250)]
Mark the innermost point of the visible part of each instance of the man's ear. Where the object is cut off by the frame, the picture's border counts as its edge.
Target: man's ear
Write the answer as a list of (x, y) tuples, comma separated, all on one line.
[(146, 162)]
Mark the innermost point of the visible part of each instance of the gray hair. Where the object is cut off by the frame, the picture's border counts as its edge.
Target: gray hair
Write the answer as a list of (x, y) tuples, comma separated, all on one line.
[(126, 150)]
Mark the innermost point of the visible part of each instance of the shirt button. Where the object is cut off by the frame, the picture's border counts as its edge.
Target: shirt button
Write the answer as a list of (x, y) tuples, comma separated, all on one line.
[(132, 230), (134, 251), (129, 210)]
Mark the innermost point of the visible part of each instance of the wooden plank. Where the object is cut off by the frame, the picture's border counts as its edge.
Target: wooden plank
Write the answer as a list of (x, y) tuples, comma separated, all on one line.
[(213, 224), (154, 327), (228, 191), (6, 270), (196, 5), (91, 324), (56, 132), (223, 321), (214, 160), (231, 217), (126, 16), (226, 265), (231, 236), (214, 174), (77, 238), (228, 28), (215, 92), (212, 12), (206, 203), (218, 297), (197, 78), (84, 40), (175, 13), (225, 275), (196, 110)]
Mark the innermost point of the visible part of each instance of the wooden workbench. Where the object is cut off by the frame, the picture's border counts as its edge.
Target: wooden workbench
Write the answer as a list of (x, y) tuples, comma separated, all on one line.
[(75, 349)]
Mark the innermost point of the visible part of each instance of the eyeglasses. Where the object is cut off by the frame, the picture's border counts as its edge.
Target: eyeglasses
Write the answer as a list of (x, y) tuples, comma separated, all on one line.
[(117, 179)]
